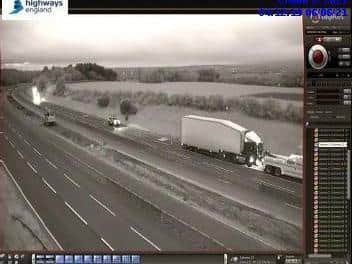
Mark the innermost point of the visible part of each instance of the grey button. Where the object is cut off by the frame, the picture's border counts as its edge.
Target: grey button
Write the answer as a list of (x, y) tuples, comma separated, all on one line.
[(344, 56), (344, 50), (344, 63), (332, 39)]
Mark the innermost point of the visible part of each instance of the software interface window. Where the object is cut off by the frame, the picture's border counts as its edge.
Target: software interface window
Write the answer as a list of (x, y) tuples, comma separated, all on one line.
[(175, 138)]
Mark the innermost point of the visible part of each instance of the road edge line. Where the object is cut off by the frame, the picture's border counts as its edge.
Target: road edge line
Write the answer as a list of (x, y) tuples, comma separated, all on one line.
[(31, 206)]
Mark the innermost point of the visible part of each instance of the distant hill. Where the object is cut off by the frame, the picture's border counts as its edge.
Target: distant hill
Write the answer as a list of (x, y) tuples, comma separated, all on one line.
[(288, 74)]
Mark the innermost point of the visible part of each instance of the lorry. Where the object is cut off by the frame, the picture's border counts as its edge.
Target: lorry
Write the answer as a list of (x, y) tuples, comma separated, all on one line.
[(221, 138), (49, 118), (278, 165)]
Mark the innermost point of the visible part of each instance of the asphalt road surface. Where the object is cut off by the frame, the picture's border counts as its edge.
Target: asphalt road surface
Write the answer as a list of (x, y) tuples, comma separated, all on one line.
[(230, 180), (83, 210)]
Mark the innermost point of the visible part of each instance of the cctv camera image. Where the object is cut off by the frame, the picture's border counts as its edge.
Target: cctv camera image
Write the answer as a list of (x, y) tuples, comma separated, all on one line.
[(152, 133)]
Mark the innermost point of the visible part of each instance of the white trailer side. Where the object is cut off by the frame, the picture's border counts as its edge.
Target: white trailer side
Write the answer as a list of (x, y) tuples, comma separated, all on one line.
[(212, 134)]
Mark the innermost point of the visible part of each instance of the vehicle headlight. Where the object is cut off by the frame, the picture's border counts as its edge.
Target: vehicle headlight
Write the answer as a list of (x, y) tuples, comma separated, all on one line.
[(251, 159)]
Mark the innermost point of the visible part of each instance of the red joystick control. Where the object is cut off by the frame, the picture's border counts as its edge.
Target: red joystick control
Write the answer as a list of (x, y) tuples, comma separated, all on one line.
[(318, 57)]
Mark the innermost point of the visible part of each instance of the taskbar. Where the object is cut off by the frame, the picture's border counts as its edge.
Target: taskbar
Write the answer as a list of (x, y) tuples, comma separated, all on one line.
[(13, 257)]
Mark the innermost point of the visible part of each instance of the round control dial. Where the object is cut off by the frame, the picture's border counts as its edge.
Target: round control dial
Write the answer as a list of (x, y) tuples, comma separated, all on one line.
[(318, 57)]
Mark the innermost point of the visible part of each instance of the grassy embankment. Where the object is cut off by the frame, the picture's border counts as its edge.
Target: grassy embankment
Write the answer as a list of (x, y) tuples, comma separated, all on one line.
[(268, 108)]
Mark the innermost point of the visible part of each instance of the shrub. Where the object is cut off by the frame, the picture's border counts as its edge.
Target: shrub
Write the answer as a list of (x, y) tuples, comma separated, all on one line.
[(271, 109), (42, 83), (216, 103), (127, 108), (172, 99), (60, 87), (208, 75), (200, 102), (293, 113), (103, 101)]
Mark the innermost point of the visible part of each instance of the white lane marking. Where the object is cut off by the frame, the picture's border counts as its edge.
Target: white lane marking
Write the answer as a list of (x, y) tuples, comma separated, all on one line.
[(33, 169), (37, 151), (1, 132), (293, 206), (146, 239), (107, 244), (31, 206), (20, 154), (276, 187), (217, 167), (220, 168), (227, 170), (50, 187), (102, 205), (160, 142), (168, 213), (173, 216), (51, 164), (71, 180), (224, 181), (76, 213), (25, 141), (11, 143), (182, 156), (147, 143), (83, 162)]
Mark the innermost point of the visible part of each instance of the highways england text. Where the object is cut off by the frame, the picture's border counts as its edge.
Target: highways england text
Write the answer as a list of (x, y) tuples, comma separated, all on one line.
[(42, 6)]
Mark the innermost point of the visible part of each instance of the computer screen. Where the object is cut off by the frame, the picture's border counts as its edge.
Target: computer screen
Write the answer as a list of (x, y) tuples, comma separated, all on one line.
[(222, 136)]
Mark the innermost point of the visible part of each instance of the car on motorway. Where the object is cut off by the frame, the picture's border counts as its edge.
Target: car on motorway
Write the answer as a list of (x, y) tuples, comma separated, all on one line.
[(113, 121), (49, 118), (284, 165)]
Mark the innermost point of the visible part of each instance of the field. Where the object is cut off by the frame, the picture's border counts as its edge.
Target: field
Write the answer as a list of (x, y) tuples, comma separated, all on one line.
[(191, 88), (279, 136)]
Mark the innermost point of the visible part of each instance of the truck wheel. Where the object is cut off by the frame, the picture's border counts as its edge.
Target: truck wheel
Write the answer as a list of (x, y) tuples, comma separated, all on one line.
[(277, 171), (235, 159), (249, 162), (268, 169)]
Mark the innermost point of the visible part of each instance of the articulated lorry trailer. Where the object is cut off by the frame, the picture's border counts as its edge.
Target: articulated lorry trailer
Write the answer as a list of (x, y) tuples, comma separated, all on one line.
[(221, 138)]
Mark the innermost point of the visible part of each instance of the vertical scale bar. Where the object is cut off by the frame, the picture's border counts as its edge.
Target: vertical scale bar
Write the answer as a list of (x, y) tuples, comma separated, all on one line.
[(348, 174)]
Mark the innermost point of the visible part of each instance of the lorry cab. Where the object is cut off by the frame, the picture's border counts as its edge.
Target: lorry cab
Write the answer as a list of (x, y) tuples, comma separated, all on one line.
[(253, 147)]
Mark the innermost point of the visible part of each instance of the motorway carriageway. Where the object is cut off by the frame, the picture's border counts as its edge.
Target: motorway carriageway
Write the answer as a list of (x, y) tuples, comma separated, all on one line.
[(83, 210)]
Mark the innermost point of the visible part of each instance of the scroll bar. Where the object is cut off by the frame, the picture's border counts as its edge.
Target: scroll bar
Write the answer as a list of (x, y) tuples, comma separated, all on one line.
[(348, 174)]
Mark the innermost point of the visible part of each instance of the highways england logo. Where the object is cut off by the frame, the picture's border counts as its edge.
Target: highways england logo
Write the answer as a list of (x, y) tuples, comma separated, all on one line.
[(33, 9), (17, 7)]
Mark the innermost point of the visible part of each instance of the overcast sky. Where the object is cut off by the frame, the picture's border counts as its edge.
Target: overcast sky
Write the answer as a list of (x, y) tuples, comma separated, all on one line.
[(152, 40)]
